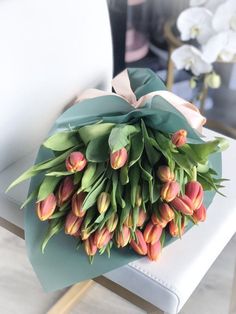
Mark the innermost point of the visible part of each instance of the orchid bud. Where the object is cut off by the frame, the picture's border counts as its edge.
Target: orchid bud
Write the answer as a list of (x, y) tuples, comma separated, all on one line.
[(142, 216), (72, 224), (154, 250), (179, 138), (112, 222), (200, 214), (152, 233), (165, 174), (77, 204), (102, 237), (174, 230), (89, 246), (139, 245), (157, 220), (169, 191), (65, 190), (183, 204), (103, 202), (123, 236), (75, 162), (118, 158), (46, 207), (195, 192), (167, 214)]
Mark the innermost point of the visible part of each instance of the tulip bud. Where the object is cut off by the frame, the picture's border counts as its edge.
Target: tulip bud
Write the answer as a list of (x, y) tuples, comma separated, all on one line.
[(112, 222), (154, 250), (89, 246), (138, 201), (167, 213), (123, 236), (174, 230), (103, 202), (118, 158), (75, 162), (139, 245), (142, 216), (200, 214), (156, 220), (129, 220), (183, 204), (102, 237), (85, 233), (77, 202), (65, 190), (195, 192), (179, 138), (165, 174), (46, 207), (152, 233), (169, 191), (72, 224)]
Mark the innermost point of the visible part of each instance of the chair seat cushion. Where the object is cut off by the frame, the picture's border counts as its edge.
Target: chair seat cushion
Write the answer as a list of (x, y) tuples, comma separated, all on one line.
[(169, 282)]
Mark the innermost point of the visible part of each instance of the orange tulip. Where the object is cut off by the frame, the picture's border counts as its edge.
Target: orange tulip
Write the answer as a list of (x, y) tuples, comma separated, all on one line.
[(167, 214), (200, 214), (195, 192), (103, 202), (174, 230), (183, 204), (46, 207), (118, 158), (169, 191), (123, 236), (179, 138), (65, 190), (152, 233), (102, 237), (139, 245), (89, 246), (154, 250), (72, 224), (165, 174), (77, 202), (75, 162), (157, 220)]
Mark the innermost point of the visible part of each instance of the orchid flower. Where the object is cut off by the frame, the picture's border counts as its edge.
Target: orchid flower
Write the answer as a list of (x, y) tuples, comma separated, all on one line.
[(195, 23), (190, 58), (225, 17), (222, 46), (208, 4)]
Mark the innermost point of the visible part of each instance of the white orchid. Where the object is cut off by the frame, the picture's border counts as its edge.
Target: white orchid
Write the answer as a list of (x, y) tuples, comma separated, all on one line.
[(190, 58), (225, 17), (208, 4), (221, 46), (195, 23)]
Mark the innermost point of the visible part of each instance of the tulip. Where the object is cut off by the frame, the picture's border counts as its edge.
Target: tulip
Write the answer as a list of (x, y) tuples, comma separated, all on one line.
[(179, 138), (142, 216), (157, 220), (118, 158), (77, 202), (138, 200), (89, 246), (103, 202), (46, 207), (72, 224), (195, 192), (199, 214), (165, 174), (65, 190), (129, 220), (167, 214), (112, 222), (102, 237), (169, 191), (85, 233), (75, 162), (152, 233), (154, 250), (123, 236), (183, 204), (139, 245), (174, 230)]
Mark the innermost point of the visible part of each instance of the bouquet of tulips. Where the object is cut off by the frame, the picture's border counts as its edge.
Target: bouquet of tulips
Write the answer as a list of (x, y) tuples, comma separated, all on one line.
[(120, 173)]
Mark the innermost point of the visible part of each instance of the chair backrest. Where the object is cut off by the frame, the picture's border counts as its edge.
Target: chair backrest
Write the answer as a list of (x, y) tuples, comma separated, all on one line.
[(50, 51)]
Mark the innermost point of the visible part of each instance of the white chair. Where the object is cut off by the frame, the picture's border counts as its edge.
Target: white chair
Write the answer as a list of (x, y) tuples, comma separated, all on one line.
[(59, 53)]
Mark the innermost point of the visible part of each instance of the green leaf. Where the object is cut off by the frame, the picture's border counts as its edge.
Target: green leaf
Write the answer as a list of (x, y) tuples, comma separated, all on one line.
[(113, 192), (135, 217), (136, 150), (55, 226), (62, 141), (134, 179), (99, 218), (47, 186), (31, 197), (59, 214), (119, 197), (98, 149), (90, 214), (93, 131), (124, 175), (88, 176), (183, 162), (204, 150), (58, 174), (124, 213), (163, 237), (77, 177), (120, 136), (108, 214), (92, 196)]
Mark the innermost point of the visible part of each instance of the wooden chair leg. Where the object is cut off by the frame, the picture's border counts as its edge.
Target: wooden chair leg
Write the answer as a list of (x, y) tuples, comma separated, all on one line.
[(70, 298), (233, 295), (170, 71)]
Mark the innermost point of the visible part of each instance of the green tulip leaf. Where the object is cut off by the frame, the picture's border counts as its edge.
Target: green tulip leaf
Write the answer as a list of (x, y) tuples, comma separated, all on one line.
[(98, 149), (55, 226), (47, 187), (120, 136), (62, 141), (92, 196), (136, 150), (93, 131)]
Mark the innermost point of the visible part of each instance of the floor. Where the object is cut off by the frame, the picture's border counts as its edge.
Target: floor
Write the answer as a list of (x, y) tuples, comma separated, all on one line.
[(20, 292)]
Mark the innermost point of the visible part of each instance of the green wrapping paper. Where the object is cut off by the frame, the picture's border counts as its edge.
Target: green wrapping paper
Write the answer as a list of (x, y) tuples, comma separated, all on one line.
[(62, 265)]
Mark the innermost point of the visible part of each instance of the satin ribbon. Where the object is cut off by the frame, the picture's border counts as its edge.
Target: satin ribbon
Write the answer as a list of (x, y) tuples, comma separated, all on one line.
[(121, 85)]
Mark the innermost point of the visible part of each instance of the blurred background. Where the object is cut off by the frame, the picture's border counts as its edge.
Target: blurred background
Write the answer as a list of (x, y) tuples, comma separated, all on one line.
[(145, 35)]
